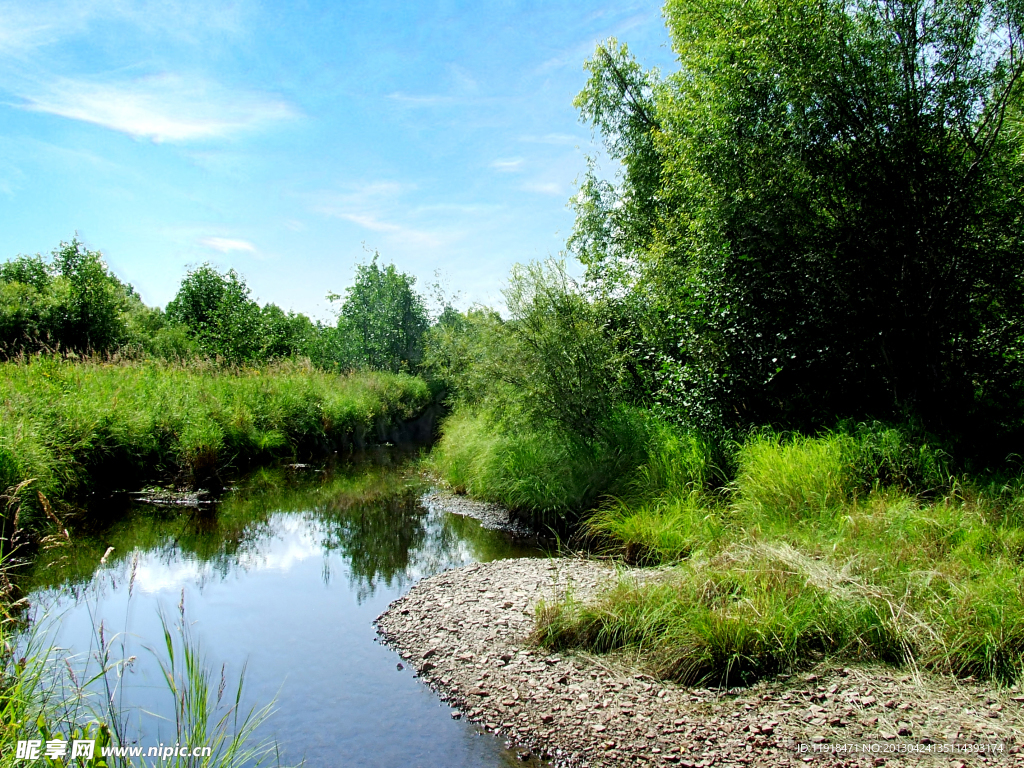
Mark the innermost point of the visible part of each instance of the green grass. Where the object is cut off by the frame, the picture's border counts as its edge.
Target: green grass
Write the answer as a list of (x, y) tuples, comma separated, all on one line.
[(538, 470), (45, 695), (854, 545), (87, 428)]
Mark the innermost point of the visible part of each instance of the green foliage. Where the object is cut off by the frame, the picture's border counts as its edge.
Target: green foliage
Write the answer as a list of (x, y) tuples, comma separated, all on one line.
[(70, 301), (541, 471), (795, 479), (816, 548), (552, 363), (560, 360), (743, 615), (382, 321), (80, 428), (818, 213), (224, 322), (458, 351)]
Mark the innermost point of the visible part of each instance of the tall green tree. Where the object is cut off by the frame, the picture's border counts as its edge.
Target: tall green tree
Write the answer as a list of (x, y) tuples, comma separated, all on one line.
[(382, 321), (70, 301), (819, 214), (220, 315)]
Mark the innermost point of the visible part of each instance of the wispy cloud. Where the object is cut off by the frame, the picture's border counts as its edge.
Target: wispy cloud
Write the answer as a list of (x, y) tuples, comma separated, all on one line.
[(563, 139), (572, 55), (368, 222), (509, 165), (227, 244), (162, 107), (378, 207), (424, 100), (27, 26), (544, 187)]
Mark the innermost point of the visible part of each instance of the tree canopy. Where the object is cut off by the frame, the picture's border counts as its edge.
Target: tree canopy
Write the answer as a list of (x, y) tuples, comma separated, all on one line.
[(69, 301), (226, 322), (382, 321), (819, 214)]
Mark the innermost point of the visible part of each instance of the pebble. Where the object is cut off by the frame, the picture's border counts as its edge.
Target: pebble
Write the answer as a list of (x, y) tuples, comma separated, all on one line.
[(474, 626)]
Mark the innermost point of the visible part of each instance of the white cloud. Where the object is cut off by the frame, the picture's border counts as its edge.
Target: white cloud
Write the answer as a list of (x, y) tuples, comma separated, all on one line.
[(161, 108), (553, 138), (227, 244), (509, 165), (403, 234), (544, 187), (429, 100), (368, 221), (26, 26), (378, 207)]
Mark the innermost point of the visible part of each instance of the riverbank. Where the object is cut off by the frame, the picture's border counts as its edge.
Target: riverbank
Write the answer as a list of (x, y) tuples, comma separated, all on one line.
[(467, 633), (494, 517), (80, 430)]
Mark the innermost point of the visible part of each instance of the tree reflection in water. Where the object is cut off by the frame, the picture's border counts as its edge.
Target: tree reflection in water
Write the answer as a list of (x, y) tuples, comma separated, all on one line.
[(369, 512)]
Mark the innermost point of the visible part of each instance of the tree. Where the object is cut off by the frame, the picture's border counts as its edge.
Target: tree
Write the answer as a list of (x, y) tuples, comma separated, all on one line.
[(819, 213), (382, 321), (70, 301), (284, 334), (219, 314)]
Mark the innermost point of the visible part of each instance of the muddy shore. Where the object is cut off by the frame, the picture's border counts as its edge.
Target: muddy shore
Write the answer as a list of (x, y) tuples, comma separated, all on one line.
[(466, 633)]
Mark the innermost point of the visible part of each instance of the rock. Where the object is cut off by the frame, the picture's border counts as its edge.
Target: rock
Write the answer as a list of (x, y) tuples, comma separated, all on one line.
[(580, 710)]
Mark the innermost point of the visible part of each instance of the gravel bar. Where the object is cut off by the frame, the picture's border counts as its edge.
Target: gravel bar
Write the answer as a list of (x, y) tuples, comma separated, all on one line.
[(493, 516), (466, 632)]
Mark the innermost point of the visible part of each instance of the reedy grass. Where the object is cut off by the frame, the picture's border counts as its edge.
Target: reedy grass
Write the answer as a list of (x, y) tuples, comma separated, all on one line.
[(45, 694), (535, 470), (539, 470), (79, 428), (806, 554), (742, 614), (202, 718)]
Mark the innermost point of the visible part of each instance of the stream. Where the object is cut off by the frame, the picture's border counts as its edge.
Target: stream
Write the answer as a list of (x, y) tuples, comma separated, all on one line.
[(283, 577)]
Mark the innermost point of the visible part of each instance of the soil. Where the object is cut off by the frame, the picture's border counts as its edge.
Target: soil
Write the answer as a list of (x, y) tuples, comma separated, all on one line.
[(466, 632)]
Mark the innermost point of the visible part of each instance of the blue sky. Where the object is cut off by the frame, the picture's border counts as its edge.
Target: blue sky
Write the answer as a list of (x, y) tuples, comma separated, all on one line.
[(283, 139)]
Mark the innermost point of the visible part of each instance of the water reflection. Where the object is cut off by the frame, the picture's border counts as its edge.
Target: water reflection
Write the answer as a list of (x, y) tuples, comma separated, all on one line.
[(286, 575)]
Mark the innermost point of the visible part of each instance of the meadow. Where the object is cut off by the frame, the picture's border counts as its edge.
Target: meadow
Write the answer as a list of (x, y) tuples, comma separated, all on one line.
[(75, 431), (772, 552)]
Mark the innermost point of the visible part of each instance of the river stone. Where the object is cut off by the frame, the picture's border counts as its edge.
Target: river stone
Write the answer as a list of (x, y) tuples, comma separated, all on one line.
[(482, 672)]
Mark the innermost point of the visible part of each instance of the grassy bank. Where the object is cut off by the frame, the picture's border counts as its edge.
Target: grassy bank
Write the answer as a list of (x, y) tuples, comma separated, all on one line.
[(846, 546), (779, 551), (76, 429), (543, 472)]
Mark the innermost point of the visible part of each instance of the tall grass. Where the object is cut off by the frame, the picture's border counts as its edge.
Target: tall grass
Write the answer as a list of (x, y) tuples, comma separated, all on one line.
[(81, 428), (856, 544), (46, 695), (202, 716), (536, 468), (795, 478)]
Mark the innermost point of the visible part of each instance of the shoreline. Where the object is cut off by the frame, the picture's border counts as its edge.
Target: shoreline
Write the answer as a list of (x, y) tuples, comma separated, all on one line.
[(466, 633), (492, 516)]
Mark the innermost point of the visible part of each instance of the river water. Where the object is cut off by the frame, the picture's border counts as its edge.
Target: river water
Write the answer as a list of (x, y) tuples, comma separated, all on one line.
[(283, 578)]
